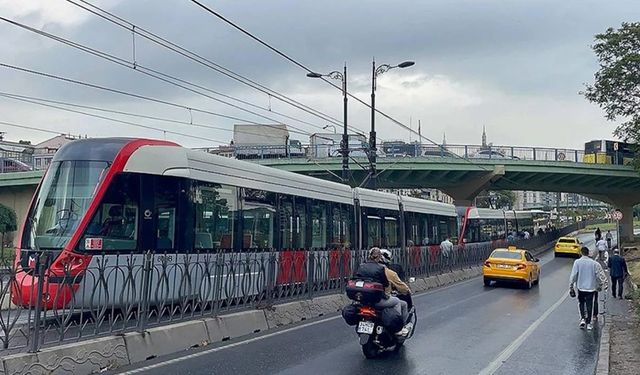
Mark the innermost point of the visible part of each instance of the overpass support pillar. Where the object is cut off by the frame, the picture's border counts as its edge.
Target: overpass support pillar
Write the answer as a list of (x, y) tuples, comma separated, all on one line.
[(626, 224), (464, 195), (625, 204)]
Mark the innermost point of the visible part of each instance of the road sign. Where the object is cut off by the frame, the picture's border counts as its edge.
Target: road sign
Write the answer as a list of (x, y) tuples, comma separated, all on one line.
[(617, 215), (615, 146)]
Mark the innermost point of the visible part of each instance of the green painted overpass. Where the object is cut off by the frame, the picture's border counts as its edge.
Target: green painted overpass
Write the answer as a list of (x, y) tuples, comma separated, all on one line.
[(451, 173), (461, 178)]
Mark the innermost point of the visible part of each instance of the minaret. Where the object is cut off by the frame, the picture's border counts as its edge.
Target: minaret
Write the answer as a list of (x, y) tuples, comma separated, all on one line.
[(484, 136), (444, 138)]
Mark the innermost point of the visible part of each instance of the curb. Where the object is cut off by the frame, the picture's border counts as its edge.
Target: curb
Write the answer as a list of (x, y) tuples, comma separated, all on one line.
[(602, 364), (109, 353)]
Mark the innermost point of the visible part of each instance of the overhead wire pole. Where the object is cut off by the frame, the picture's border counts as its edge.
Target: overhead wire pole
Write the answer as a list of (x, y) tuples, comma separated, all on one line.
[(288, 58), (344, 143)]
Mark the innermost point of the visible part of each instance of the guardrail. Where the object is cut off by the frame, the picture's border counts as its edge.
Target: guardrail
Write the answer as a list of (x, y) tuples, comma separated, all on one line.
[(412, 150), (123, 292)]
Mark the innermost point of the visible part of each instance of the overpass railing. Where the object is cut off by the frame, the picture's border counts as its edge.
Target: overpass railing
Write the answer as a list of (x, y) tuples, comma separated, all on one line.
[(413, 150), (120, 292)]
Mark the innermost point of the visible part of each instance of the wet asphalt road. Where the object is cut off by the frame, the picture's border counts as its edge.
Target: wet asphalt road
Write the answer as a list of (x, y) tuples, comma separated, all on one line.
[(462, 329)]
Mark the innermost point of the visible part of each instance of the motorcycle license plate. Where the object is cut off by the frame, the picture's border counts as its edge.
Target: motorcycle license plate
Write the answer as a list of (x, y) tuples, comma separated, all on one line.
[(365, 327)]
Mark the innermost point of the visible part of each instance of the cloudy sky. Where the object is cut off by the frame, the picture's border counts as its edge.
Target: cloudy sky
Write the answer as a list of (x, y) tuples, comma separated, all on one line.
[(515, 67)]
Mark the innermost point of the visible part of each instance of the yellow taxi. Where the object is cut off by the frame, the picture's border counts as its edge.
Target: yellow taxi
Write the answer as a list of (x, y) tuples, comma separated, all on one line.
[(511, 264), (567, 246)]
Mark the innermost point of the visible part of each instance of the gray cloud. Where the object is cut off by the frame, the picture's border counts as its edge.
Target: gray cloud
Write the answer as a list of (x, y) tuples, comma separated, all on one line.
[(498, 63)]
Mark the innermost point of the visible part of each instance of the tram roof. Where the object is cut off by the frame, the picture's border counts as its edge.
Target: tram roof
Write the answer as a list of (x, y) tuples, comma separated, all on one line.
[(410, 204), (198, 165)]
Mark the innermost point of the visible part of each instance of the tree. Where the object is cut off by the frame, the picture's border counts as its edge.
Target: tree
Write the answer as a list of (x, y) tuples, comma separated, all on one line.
[(7, 222), (617, 83)]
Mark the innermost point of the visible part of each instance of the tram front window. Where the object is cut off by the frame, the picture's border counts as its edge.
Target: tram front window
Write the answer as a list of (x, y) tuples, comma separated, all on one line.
[(61, 202)]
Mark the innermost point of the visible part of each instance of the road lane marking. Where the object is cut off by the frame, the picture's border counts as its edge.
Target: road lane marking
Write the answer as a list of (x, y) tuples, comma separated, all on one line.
[(254, 339), (220, 348), (509, 350)]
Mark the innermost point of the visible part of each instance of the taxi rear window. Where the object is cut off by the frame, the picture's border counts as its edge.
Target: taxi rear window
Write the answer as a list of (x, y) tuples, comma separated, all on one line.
[(567, 240), (506, 255)]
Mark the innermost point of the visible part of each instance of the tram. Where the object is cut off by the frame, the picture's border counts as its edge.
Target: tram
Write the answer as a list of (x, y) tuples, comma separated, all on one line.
[(117, 199)]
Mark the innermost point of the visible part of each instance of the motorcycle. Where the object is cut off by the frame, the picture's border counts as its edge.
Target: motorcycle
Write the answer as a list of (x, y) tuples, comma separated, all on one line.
[(374, 337)]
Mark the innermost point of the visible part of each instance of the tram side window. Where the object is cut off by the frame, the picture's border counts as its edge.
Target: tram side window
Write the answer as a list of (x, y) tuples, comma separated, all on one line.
[(258, 215), (116, 219), (342, 222), (166, 205), (214, 207), (318, 225), (374, 231), (391, 232)]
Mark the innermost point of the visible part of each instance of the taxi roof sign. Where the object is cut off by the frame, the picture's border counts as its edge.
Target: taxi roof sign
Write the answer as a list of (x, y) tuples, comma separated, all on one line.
[(512, 248)]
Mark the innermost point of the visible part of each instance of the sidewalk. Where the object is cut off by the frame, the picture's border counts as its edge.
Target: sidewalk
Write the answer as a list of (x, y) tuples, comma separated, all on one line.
[(624, 320)]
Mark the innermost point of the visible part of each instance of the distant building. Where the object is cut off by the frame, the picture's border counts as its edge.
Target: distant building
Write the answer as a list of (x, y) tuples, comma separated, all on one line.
[(222, 150), (23, 156), (546, 200), (428, 194), (322, 145)]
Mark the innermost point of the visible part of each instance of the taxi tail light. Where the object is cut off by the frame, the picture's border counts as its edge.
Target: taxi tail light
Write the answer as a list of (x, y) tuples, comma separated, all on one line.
[(521, 266)]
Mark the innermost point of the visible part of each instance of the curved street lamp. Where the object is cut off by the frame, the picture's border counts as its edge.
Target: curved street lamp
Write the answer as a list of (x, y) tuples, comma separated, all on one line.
[(344, 144), (375, 72)]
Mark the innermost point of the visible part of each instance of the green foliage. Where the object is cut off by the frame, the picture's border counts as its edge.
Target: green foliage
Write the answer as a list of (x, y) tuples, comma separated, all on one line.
[(616, 88), (8, 222)]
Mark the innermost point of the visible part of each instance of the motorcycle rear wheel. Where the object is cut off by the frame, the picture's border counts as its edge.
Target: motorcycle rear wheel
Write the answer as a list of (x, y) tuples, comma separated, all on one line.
[(370, 350)]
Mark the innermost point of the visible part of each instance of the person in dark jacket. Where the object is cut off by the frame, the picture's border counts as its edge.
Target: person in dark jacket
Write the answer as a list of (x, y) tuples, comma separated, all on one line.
[(372, 270), (617, 270)]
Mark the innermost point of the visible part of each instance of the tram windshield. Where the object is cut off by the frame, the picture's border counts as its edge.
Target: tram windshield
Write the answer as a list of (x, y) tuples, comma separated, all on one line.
[(63, 199)]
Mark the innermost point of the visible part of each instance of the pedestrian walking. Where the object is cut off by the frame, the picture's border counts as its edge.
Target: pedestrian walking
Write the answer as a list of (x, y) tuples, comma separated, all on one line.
[(609, 238), (446, 248), (618, 271), (587, 279), (598, 234), (602, 246)]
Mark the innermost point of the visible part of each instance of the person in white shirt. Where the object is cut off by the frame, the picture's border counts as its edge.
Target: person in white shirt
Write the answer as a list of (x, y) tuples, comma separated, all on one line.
[(587, 277), (609, 238), (602, 246), (446, 248)]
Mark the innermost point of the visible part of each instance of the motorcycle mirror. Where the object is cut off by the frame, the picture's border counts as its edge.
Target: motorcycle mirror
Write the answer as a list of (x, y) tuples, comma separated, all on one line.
[(412, 280)]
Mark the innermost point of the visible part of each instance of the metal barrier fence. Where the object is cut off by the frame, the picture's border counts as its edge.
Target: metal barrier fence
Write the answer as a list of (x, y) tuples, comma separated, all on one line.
[(415, 150), (123, 292)]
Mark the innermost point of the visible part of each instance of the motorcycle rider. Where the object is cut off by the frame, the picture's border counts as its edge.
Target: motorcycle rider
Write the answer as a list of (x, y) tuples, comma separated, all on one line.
[(397, 284), (374, 270)]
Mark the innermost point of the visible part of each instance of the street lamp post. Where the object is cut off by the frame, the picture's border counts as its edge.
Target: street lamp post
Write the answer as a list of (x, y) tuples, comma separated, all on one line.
[(344, 144), (375, 72), (332, 126)]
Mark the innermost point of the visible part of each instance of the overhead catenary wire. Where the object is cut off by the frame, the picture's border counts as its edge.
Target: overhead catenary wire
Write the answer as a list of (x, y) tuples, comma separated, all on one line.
[(307, 69), (165, 131), (125, 93), (37, 100), (147, 71), (30, 128), (163, 42)]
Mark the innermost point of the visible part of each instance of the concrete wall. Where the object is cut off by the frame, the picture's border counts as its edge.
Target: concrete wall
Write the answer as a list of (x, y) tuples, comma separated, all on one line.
[(17, 198)]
